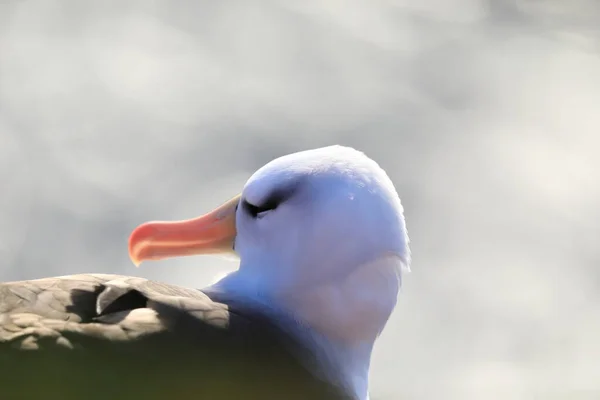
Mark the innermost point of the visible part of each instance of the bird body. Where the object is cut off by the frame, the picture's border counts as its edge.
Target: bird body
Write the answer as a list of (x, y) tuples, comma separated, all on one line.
[(90, 336), (321, 239)]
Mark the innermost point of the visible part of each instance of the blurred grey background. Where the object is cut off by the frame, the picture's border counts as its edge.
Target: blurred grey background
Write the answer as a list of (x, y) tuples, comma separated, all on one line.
[(484, 113)]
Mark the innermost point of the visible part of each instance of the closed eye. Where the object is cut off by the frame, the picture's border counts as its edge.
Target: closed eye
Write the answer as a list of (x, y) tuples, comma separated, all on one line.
[(257, 211), (274, 200)]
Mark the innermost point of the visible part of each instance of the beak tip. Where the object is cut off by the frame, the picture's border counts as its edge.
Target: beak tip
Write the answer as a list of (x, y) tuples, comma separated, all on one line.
[(134, 259), (136, 242)]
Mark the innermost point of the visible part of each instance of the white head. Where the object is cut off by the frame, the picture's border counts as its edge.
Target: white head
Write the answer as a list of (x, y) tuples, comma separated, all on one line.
[(325, 212), (320, 234)]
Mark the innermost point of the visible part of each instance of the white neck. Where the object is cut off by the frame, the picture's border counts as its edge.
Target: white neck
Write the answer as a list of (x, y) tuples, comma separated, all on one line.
[(340, 318)]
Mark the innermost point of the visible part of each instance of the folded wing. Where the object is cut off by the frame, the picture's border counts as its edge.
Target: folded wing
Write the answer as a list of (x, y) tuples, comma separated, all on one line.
[(109, 336)]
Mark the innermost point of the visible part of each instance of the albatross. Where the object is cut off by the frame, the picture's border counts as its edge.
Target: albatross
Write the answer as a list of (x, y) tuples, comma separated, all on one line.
[(322, 243)]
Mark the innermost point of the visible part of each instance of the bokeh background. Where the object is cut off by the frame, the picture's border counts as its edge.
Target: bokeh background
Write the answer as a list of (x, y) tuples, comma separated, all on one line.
[(484, 113)]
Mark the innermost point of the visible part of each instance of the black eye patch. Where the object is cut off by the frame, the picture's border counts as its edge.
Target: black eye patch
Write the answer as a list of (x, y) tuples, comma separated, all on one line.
[(255, 210), (270, 203)]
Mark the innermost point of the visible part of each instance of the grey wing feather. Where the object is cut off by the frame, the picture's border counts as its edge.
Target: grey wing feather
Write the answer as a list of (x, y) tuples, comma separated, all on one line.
[(95, 305), (97, 336)]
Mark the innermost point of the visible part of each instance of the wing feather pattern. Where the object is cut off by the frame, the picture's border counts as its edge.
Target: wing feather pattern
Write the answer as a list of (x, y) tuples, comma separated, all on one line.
[(96, 336)]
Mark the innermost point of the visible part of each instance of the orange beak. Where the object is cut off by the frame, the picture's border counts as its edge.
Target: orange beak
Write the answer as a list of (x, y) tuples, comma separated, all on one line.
[(211, 233)]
